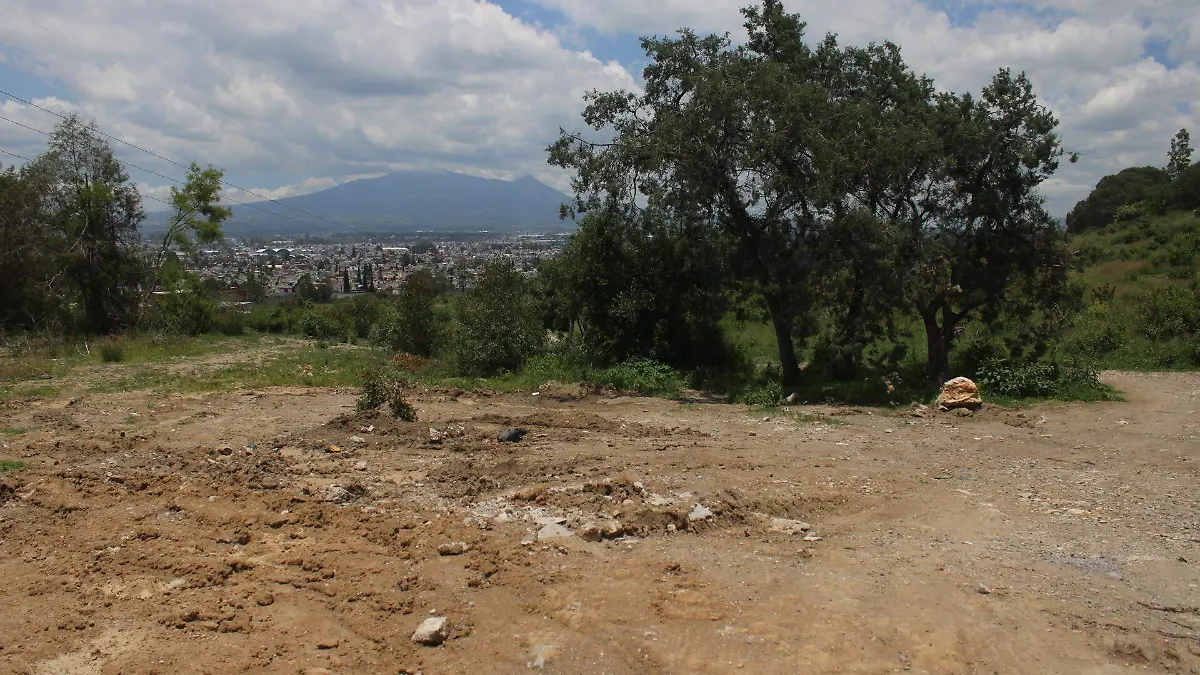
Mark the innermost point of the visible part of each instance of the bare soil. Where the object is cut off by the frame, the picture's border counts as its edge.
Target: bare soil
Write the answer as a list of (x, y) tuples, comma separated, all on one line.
[(278, 531)]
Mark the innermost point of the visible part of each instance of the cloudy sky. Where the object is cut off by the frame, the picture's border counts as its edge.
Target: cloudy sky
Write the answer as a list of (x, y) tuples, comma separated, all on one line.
[(291, 96)]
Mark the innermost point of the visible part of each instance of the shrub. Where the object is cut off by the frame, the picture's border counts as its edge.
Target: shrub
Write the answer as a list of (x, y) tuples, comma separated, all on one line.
[(643, 376), (1018, 380), (498, 326), (379, 389), (1169, 312), (112, 352)]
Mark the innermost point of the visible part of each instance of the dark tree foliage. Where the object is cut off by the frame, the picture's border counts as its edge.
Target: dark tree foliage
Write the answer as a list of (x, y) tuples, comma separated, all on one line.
[(639, 286), (27, 260), (499, 327), (1179, 158), (1127, 187), (411, 326), (93, 212), (840, 186)]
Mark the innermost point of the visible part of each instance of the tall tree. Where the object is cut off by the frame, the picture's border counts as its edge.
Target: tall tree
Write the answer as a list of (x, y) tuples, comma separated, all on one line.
[(1179, 158), (27, 254), (94, 211)]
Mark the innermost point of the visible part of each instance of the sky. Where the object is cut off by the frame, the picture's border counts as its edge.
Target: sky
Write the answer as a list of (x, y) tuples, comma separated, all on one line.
[(293, 96)]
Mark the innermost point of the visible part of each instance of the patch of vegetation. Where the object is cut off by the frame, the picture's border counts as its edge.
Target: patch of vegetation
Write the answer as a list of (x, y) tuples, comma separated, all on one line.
[(12, 431), (379, 389), (11, 465)]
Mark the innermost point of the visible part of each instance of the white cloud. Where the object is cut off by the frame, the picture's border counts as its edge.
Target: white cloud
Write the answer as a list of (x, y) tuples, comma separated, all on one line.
[(332, 88)]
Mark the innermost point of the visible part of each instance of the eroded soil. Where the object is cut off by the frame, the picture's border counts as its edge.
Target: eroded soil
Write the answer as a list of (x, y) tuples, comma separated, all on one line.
[(278, 531)]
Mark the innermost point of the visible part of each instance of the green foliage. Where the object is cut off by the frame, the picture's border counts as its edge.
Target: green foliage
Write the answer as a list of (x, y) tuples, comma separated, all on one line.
[(411, 325), (112, 351), (379, 389), (184, 307), (11, 465), (1130, 186), (642, 376), (498, 325), (1180, 156)]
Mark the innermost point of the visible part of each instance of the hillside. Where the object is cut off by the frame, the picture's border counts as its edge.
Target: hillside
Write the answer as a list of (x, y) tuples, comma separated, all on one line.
[(408, 201), (1143, 291)]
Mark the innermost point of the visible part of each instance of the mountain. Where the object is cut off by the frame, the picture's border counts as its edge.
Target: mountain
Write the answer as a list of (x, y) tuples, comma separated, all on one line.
[(408, 201)]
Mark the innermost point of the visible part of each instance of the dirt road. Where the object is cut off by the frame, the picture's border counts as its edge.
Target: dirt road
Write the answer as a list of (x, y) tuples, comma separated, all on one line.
[(276, 531)]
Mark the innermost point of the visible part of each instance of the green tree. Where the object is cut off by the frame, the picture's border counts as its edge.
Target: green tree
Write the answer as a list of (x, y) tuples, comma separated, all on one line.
[(412, 326), (975, 227), (1179, 158), (94, 212), (27, 255), (345, 280), (1126, 187), (498, 326), (196, 219)]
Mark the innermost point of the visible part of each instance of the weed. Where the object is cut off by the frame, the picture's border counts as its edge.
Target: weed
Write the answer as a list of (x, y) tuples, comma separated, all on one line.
[(10, 465), (112, 352), (379, 389)]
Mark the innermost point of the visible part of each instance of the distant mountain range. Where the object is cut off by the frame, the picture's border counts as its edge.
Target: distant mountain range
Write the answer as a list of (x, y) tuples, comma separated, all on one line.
[(409, 201)]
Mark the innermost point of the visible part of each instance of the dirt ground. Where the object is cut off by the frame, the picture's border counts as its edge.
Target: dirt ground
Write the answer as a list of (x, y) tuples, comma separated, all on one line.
[(277, 531)]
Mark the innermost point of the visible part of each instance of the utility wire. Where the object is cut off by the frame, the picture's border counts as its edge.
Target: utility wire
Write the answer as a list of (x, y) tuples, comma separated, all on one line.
[(178, 164), (60, 36), (179, 182)]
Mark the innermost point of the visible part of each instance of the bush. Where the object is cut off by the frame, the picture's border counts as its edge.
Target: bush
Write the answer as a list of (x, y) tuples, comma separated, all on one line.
[(498, 325), (379, 389), (1169, 312), (315, 323), (644, 377), (1018, 380), (411, 326), (112, 352)]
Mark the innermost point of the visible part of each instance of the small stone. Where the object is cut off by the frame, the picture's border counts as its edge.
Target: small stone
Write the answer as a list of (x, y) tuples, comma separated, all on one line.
[(334, 449), (963, 412), (983, 590), (357, 440), (591, 532), (550, 520), (225, 450), (360, 466), (811, 537), (553, 531), (700, 512), (787, 526), (432, 631), (264, 599), (436, 435), (453, 548), (792, 399), (513, 435), (328, 643)]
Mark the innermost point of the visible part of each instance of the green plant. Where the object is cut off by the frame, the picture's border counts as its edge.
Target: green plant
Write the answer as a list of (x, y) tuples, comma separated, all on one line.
[(379, 389), (112, 352), (10, 465), (642, 376)]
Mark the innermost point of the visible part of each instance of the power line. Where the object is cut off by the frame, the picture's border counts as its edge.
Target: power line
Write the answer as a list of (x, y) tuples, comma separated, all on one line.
[(178, 182), (156, 155)]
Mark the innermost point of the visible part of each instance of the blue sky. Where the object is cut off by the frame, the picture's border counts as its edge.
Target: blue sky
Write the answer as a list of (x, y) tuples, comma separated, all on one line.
[(291, 97)]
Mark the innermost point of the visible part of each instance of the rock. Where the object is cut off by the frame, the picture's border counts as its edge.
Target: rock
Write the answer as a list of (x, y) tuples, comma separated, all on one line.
[(811, 536), (264, 599), (792, 399), (959, 393), (328, 643), (225, 450), (612, 529), (237, 537), (513, 435), (787, 526), (550, 520), (432, 631), (336, 494), (453, 548), (591, 532), (436, 435), (963, 412), (700, 512), (983, 590), (360, 466), (553, 531), (357, 440)]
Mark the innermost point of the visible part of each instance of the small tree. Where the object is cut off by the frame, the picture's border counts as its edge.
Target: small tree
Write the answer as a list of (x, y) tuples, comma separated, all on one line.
[(1180, 156), (196, 220), (498, 324), (412, 327)]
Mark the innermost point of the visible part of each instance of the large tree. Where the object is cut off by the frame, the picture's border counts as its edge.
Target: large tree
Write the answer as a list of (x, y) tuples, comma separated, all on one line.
[(94, 212), (1180, 156)]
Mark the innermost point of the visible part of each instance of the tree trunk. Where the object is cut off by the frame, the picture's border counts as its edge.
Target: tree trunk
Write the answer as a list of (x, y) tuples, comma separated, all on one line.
[(937, 346), (783, 336)]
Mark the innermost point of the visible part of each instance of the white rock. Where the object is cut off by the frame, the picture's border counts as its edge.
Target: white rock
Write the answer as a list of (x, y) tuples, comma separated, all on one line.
[(553, 531), (432, 631), (700, 512), (789, 526), (358, 439)]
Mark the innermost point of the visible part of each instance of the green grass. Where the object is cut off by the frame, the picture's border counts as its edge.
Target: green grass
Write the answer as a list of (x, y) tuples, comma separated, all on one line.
[(12, 431), (11, 465), (336, 366)]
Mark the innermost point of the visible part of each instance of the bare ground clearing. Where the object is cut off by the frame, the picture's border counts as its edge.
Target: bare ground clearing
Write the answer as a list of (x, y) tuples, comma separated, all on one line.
[(218, 533)]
